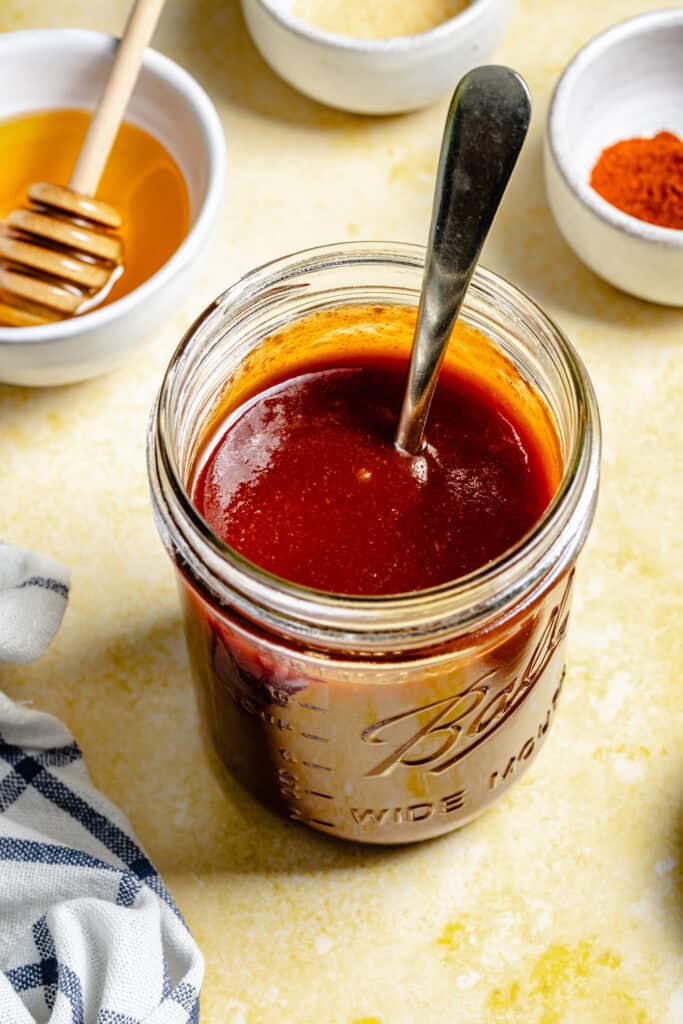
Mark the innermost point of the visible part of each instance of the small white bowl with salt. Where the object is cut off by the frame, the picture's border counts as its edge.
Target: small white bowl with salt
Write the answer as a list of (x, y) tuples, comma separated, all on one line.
[(376, 58)]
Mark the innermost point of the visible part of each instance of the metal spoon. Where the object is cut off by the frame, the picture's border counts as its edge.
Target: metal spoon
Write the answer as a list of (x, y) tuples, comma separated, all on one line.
[(486, 126)]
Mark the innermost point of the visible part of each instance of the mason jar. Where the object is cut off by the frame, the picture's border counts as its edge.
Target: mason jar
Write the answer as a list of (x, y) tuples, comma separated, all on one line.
[(383, 719)]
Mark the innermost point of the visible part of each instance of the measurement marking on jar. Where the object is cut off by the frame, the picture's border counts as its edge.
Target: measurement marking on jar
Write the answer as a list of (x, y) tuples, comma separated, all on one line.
[(296, 814), (311, 707), (315, 739), (315, 792), (321, 767)]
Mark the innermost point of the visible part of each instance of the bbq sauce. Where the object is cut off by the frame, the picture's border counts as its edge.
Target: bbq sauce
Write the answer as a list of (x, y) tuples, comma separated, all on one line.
[(302, 476)]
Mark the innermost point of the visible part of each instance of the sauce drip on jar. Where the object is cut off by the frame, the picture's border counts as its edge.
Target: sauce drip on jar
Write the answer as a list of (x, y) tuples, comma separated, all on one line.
[(303, 479)]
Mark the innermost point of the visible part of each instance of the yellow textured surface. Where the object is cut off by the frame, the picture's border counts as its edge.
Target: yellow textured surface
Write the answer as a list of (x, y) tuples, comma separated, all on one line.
[(564, 904)]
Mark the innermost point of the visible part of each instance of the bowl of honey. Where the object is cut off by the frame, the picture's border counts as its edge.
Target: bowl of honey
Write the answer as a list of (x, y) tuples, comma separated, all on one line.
[(165, 176)]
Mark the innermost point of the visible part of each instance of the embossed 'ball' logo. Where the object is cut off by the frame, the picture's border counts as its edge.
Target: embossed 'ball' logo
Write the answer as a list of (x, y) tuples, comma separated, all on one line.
[(439, 735)]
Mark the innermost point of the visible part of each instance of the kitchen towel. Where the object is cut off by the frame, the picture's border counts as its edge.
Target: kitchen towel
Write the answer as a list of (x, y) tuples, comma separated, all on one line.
[(33, 595), (89, 934)]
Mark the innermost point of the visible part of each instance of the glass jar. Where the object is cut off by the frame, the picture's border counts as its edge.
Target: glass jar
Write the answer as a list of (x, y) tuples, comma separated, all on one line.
[(380, 719)]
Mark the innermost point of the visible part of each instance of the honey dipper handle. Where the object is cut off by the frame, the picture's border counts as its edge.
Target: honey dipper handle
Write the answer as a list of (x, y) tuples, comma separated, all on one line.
[(114, 100)]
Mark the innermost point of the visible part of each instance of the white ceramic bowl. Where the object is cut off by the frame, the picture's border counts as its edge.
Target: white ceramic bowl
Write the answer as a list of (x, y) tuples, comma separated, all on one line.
[(66, 68), (626, 82), (385, 76)]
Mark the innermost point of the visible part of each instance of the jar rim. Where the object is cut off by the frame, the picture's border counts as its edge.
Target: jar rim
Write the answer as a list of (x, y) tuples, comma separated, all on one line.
[(461, 605)]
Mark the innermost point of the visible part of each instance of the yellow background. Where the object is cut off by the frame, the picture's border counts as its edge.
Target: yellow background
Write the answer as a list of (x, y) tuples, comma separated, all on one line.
[(565, 902)]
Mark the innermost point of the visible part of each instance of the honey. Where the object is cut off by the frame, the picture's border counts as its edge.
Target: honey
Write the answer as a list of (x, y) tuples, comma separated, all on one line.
[(385, 20), (141, 180)]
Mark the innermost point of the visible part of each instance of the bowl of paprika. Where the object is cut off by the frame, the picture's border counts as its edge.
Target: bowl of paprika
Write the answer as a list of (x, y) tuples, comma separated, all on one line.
[(614, 156)]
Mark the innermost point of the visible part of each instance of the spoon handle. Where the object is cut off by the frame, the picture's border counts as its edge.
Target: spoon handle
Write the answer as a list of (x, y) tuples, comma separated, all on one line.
[(486, 125), (112, 104)]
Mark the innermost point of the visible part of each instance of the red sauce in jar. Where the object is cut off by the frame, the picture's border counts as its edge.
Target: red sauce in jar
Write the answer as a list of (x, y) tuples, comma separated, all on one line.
[(303, 478), (295, 467)]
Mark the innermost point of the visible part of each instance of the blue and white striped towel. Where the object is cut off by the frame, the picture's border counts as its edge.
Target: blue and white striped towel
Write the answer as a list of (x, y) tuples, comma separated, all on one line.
[(89, 934)]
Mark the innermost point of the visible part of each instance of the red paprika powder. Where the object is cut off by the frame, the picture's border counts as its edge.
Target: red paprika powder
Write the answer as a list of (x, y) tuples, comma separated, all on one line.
[(644, 178)]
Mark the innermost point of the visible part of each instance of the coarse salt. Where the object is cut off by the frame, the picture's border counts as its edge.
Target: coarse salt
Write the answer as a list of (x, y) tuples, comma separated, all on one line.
[(361, 20)]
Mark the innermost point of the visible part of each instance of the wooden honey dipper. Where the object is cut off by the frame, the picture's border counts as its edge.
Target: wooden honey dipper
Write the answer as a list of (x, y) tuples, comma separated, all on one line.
[(61, 255)]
